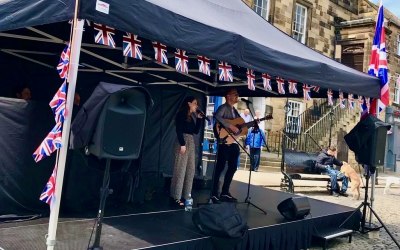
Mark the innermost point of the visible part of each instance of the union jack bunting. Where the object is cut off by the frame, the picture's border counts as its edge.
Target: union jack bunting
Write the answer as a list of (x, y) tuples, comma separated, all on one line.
[(281, 85), (342, 101), (251, 78), (49, 191), (378, 63), (63, 65), (315, 88), (330, 97), (204, 65), (51, 143), (307, 92), (132, 46), (104, 35), (160, 52), (266, 81), (360, 102), (225, 72), (57, 104), (181, 61), (292, 87), (350, 100)]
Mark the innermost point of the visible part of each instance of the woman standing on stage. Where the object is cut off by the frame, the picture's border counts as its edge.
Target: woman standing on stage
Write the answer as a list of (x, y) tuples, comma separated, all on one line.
[(187, 124)]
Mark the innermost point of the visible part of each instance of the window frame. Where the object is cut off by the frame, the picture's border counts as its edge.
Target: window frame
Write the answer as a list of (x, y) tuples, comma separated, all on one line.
[(304, 25), (262, 7), (396, 96), (398, 44)]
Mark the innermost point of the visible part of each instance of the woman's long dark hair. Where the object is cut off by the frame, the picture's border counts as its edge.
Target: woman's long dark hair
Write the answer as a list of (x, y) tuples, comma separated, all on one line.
[(185, 106)]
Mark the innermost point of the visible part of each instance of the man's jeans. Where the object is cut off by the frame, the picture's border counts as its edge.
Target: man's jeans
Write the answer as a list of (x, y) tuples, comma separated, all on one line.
[(334, 174)]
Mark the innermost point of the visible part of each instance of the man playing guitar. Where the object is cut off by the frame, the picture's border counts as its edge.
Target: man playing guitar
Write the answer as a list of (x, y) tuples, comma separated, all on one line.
[(226, 152)]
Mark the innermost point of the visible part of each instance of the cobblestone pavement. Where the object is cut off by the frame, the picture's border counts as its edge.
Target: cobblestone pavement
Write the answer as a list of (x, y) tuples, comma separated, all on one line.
[(386, 206)]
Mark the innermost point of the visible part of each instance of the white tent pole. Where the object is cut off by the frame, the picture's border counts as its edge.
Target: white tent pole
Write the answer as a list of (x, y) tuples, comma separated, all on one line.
[(72, 76)]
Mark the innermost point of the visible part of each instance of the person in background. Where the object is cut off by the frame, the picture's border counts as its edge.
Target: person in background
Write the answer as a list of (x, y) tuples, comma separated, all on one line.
[(246, 115), (226, 152), (24, 93), (187, 124), (254, 142), (325, 164)]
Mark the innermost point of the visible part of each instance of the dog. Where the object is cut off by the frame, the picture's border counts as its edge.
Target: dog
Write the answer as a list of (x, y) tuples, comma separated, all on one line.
[(390, 180), (355, 179)]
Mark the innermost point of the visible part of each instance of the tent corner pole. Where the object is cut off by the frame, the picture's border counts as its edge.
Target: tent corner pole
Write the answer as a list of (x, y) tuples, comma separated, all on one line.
[(72, 76)]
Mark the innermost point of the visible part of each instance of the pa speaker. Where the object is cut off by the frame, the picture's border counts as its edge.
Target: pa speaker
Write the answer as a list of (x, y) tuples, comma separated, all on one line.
[(120, 127), (294, 208), (368, 140)]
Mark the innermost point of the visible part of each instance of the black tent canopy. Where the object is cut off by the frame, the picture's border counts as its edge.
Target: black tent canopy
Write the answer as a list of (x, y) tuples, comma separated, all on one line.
[(221, 30)]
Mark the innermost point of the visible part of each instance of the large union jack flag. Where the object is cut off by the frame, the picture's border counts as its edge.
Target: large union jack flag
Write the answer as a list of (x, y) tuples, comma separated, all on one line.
[(307, 92), (160, 52), (281, 85), (251, 78), (330, 97), (132, 46), (225, 72), (378, 63), (48, 194), (51, 143), (292, 87), (181, 61), (266, 81), (57, 104), (204, 65), (63, 65), (104, 35)]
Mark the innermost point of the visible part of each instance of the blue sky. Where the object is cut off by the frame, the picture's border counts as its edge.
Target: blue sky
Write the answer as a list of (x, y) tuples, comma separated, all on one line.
[(392, 5)]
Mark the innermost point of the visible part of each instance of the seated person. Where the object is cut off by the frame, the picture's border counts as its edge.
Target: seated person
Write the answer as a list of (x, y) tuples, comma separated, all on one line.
[(324, 163), (23, 93)]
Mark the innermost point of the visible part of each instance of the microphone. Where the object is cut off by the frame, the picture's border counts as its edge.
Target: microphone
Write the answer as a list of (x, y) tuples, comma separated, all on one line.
[(199, 111), (246, 101)]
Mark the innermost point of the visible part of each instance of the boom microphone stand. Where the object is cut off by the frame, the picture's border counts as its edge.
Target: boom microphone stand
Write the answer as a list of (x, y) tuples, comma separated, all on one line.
[(365, 228)]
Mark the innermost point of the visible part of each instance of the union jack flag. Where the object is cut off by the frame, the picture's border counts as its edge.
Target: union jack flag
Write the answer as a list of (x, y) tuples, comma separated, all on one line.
[(342, 101), (132, 46), (330, 97), (104, 35), (225, 72), (160, 52), (204, 65), (378, 63), (360, 102), (49, 192), (292, 87), (350, 100), (281, 85), (57, 104), (315, 88), (266, 81), (181, 61), (63, 65), (307, 92), (51, 143), (251, 78)]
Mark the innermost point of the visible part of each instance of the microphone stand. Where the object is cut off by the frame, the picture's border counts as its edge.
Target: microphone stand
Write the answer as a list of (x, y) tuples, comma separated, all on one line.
[(256, 128)]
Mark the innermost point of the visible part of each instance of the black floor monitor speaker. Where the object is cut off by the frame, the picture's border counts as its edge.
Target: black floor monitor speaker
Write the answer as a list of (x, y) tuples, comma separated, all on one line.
[(120, 128), (368, 141), (294, 208)]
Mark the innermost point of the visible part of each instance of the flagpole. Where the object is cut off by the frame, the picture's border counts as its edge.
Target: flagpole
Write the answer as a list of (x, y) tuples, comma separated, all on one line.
[(72, 76)]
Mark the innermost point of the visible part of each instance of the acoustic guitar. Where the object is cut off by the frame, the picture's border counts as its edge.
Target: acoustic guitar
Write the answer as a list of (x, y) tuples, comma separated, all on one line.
[(240, 124)]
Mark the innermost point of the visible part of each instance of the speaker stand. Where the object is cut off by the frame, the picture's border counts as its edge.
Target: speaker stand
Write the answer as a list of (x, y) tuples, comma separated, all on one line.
[(104, 192), (368, 227)]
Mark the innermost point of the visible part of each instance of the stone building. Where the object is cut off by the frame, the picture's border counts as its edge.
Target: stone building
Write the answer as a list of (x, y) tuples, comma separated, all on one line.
[(342, 30)]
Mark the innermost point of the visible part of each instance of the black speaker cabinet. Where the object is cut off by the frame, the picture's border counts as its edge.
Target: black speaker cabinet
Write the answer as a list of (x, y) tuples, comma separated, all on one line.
[(120, 128), (294, 208), (368, 141)]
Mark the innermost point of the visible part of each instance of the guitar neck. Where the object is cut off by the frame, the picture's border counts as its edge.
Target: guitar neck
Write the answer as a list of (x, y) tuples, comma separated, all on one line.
[(250, 124)]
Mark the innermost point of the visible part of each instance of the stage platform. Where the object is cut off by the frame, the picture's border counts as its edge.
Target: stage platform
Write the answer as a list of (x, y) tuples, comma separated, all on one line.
[(154, 225)]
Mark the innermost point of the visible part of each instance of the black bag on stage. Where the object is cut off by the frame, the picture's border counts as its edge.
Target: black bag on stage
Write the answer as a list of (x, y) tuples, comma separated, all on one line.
[(220, 220)]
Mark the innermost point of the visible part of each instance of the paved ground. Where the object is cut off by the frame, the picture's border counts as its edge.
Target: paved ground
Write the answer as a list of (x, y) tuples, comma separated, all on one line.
[(386, 206)]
